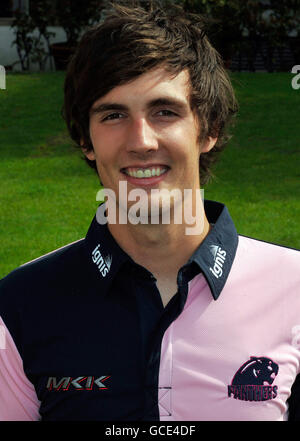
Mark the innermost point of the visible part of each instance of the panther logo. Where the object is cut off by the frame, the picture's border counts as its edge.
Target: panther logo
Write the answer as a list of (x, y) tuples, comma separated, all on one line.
[(253, 380), (257, 370)]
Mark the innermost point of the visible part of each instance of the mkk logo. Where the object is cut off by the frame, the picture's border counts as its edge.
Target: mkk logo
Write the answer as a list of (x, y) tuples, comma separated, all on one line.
[(253, 380), (219, 259), (78, 383)]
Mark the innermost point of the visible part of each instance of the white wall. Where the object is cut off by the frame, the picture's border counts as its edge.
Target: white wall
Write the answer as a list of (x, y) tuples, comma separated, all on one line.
[(8, 53)]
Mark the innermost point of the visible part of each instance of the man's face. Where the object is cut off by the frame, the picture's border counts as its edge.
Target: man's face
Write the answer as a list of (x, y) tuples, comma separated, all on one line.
[(145, 133)]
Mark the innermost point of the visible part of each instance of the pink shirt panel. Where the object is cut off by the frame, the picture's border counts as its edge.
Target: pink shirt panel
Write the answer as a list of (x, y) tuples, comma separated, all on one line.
[(18, 399), (257, 314)]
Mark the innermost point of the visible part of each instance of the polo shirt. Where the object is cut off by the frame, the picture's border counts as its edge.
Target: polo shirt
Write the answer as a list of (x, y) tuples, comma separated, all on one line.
[(84, 334)]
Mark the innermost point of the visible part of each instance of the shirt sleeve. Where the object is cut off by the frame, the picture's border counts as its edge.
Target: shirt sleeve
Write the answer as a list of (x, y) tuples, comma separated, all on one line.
[(18, 399)]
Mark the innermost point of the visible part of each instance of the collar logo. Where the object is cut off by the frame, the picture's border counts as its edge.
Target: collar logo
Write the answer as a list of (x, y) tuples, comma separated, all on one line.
[(253, 381), (103, 263), (219, 256)]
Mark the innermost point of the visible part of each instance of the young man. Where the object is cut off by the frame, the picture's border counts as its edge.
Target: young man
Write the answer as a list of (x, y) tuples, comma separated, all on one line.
[(152, 320)]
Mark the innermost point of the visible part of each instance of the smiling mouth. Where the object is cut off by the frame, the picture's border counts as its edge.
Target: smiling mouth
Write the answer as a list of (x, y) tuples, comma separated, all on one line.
[(145, 172)]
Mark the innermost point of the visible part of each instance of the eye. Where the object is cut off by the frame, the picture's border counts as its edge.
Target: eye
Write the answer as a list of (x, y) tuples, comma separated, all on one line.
[(113, 116), (166, 112)]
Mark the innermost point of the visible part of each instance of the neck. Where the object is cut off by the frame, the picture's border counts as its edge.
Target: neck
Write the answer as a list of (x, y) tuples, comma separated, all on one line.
[(160, 248)]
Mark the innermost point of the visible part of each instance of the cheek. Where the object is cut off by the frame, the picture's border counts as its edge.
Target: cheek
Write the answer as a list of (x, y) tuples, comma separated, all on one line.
[(185, 137), (100, 145), (106, 142), (95, 136), (187, 150)]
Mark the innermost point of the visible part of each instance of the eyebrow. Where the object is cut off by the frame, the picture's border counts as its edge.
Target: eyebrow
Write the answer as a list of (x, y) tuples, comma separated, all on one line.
[(107, 106), (173, 102), (163, 101)]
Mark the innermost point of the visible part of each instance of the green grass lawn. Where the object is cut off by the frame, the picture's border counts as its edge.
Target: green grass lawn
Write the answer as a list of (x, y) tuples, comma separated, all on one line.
[(47, 192)]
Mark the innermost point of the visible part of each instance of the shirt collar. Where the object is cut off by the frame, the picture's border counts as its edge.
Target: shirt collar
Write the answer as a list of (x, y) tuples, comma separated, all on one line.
[(214, 256), (104, 256)]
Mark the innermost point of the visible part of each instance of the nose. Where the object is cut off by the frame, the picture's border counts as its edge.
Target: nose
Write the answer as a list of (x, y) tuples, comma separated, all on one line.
[(141, 137)]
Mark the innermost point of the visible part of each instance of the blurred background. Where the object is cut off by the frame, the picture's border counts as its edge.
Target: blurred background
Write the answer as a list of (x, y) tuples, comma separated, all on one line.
[(48, 194)]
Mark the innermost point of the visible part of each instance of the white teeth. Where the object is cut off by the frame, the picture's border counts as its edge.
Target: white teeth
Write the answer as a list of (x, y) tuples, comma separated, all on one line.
[(145, 173), (140, 174)]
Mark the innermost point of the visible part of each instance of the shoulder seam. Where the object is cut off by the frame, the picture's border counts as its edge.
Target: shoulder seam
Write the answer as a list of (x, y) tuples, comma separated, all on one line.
[(50, 252)]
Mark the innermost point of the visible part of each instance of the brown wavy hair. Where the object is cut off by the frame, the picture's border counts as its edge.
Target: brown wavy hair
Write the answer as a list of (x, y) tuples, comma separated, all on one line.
[(130, 42)]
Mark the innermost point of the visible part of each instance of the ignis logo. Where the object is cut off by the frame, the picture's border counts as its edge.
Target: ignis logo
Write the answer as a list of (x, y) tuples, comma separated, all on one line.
[(2, 337), (2, 77), (296, 79), (78, 383), (219, 259), (103, 263)]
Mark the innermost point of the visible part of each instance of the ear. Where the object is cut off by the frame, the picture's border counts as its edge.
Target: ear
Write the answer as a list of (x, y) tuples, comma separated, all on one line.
[(90, 154), (208, 144)]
